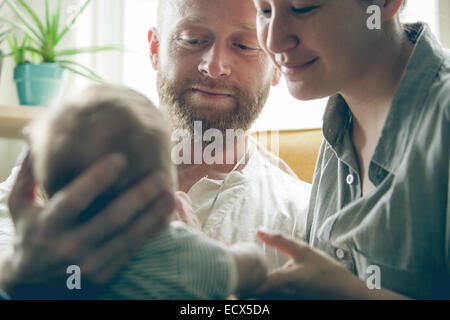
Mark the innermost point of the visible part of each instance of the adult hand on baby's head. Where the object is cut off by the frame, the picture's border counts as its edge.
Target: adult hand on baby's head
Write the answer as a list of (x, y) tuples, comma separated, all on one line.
[(48, 238), (184, 211)]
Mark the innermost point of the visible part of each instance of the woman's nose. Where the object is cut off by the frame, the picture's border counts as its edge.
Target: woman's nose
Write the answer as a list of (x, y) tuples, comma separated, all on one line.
[(280, 36)]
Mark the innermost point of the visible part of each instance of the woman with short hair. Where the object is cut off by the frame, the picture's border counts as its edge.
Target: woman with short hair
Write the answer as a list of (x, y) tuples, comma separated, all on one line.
[(380, 202)]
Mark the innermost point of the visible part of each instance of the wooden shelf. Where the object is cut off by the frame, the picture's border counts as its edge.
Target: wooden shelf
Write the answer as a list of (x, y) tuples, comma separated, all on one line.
[(14, 119)]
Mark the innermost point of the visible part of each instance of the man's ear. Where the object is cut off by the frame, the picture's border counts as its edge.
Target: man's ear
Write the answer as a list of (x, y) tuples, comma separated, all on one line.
[(390, 8), (154, 47), (276, 76)]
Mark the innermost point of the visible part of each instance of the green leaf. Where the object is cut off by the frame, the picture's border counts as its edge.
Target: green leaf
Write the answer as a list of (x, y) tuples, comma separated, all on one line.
[(16, 44), (55, 23), (68, 26), (16, 50), (83, 74), (4, 35), (26, 25), (33, 16), (47, 15), (31, 49), (21, 28), (19, 52), (11, 43), (13, 49), (79, 65), (24, 41), (6, 55), (71, 52)]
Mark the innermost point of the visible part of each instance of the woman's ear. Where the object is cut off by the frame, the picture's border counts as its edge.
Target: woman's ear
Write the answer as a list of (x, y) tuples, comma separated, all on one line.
[(390, 9), (154, 47)]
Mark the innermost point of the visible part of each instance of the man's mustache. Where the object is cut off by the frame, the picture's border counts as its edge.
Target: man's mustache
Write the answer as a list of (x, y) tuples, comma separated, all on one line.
[(210, 84)]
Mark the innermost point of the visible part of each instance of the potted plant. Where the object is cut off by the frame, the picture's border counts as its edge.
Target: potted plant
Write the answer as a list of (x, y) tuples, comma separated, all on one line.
[(41, 67), (3, 35)]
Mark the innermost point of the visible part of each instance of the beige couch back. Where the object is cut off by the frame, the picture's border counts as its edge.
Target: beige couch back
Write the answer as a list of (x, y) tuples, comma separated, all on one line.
[(299, 148)]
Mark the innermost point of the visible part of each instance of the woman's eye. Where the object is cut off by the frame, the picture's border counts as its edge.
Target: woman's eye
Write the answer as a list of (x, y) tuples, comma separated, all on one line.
[(303, 10)]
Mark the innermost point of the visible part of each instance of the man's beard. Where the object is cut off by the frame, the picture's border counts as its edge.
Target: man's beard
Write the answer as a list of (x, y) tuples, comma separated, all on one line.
[(247, 106)]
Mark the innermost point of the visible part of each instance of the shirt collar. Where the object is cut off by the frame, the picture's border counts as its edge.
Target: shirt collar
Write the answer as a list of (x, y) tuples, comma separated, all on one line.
[(336, 123), (422, 69)]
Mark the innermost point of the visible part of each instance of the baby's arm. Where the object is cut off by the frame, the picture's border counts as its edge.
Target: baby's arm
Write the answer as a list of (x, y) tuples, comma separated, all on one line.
[(251, 267)]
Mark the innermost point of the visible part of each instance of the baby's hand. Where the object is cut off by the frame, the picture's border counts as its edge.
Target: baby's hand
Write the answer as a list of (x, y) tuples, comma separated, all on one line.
[(251, 267), (184, 211)]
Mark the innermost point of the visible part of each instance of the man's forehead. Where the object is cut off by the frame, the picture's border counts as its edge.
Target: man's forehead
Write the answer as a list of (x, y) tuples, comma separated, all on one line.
[(198, 20), (240, 13)]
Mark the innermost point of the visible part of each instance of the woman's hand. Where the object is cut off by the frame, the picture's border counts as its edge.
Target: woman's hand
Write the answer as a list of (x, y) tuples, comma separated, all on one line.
[(48, 238), (312, 274)]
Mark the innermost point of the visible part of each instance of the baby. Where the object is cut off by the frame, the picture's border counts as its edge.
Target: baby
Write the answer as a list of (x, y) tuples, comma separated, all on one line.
[(178, 263)]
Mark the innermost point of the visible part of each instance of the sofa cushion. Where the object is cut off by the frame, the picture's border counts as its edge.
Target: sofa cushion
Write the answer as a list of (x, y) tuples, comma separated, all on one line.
[(298, 148)]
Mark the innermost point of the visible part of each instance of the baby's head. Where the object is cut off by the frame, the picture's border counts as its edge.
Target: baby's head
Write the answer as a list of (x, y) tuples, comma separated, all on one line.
[(104, 119)]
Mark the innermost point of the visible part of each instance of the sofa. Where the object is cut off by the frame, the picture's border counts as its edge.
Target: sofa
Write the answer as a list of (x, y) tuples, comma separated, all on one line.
[(298, 148)]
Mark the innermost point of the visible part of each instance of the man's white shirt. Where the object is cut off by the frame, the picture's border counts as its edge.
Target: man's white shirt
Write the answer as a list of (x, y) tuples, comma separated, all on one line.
[(6, 224), (259, 196)]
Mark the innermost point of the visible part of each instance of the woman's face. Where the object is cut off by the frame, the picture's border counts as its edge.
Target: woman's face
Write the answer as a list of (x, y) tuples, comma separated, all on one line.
[(322, 47)]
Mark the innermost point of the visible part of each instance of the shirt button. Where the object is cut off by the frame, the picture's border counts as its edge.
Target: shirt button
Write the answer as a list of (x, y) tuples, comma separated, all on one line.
[(350, 179), (340, 254)]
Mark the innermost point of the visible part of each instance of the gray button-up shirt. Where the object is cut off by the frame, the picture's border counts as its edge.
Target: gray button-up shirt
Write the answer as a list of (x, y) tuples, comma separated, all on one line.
[(402, 228)]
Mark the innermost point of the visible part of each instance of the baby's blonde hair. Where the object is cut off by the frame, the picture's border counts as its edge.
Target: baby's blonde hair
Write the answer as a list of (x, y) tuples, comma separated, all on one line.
[(104, 119)]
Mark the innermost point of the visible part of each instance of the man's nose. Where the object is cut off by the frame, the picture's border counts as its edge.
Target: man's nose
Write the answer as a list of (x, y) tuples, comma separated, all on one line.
[(280, 37), (216, 62)]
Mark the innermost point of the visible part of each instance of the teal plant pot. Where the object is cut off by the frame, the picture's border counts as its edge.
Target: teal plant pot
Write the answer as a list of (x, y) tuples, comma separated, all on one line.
[(39, 84)]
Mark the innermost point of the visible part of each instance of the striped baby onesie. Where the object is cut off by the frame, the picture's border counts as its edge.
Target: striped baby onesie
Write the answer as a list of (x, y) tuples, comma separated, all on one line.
[(178, 263)]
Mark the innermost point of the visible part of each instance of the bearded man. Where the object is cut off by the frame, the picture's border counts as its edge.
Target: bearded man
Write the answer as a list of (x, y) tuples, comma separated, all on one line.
[(212, 75), (211, 71)]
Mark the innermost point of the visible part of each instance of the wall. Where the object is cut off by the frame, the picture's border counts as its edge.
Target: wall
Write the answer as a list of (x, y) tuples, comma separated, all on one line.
[(444, 22)]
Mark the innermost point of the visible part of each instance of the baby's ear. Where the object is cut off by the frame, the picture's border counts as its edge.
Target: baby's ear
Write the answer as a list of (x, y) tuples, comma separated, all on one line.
[(153, 39)]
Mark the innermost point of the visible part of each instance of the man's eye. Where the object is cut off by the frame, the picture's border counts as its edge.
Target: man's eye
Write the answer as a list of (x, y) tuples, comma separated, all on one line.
[(244, 47), (193, 42), (303, 10)]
